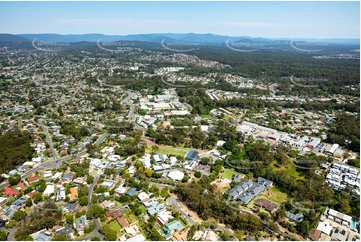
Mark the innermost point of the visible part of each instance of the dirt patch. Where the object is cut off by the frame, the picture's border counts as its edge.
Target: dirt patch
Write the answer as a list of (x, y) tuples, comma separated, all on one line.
[(193, 214)]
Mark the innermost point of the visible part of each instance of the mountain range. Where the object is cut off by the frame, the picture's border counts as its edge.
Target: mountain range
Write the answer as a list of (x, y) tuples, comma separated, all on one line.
[(158, 37)]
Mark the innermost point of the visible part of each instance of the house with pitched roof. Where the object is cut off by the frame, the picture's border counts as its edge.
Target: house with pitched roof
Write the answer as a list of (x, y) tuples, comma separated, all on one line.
[(11, 192)]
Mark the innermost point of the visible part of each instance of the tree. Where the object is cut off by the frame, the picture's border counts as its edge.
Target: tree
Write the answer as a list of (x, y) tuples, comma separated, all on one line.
[(3, 235), (164, 193), (230, 145), (19, 215), (148, 172), (13, 180), (69, 217), (198, 174), (89, 179), (60, 237), (29, 202), (185, 179), (110, 235), (83, 200), (95, 238), (205, 161), (37, 197), (155, 149), (95, 211)]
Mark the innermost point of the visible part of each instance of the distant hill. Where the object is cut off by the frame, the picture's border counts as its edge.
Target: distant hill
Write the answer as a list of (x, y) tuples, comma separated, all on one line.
[(12, 38), (169, 37)]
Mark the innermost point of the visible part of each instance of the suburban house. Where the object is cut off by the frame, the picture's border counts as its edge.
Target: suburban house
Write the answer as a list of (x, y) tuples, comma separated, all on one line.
[(33, 179), (73, 193), (123, 222), (295, 217), (11, 192), (173, 226), (314, 234), (267, 205), (116, 213)]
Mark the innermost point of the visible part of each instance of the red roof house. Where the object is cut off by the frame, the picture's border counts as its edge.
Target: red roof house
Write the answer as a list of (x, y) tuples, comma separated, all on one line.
[(11, 192), (33, 179)]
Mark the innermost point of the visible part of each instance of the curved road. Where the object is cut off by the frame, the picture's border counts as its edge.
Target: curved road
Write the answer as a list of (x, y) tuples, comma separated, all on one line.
[(173, 201), (95, 220)]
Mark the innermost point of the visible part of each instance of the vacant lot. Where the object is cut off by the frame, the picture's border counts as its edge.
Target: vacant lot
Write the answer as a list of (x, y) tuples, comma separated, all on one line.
[(228, 173), (170, 150), (273, 195)]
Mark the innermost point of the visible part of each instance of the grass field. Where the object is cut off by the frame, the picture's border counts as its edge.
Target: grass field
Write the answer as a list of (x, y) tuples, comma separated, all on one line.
[(114, 226), (131, 218), (144, 209), (169, 150), (273, 195), (228, 173), (290, 169)]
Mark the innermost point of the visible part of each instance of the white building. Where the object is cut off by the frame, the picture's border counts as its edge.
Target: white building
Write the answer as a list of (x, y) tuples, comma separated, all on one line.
[(61, 194), (47, 174), (176, 175), (50, 189)]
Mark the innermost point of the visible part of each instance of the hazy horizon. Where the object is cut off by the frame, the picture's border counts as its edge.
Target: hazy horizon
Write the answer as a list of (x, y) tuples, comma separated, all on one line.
[(317, 20)]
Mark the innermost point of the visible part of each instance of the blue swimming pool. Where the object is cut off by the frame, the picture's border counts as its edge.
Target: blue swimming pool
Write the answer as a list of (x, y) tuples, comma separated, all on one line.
[(353, 223)]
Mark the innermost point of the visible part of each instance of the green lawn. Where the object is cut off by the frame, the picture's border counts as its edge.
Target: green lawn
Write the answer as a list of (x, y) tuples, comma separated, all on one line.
[(114, 226), (169, 150), (228, 173), (273, 195), (127, 211), (144, 209), (290, 170)]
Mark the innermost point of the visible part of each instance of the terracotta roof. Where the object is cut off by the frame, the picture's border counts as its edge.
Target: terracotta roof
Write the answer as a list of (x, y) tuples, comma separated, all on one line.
[(22, 186), (33, 179), (266, 204), (73, 193), (31, 194), (123, 222), (115, 213), (11, 192), (314, 234)]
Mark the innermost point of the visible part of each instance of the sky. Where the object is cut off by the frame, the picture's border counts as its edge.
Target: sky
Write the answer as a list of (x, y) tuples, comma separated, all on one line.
[(255, 19)]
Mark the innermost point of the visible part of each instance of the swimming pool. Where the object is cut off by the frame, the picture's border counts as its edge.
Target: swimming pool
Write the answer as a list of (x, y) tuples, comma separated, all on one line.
[(353, 223)]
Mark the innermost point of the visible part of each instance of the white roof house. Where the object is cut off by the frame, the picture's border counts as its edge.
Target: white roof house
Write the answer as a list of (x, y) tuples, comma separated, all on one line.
[(56, 176), (47, 174), (325, 227), (121, 189), (146, 161), (331, 149), (37, 159), (172, 160), (94, 163), (50, 189), (136, 238), (164, 216), (176, 175), (61, 194), (107, 184), (220, 142), (114, 158), (143, 196)]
